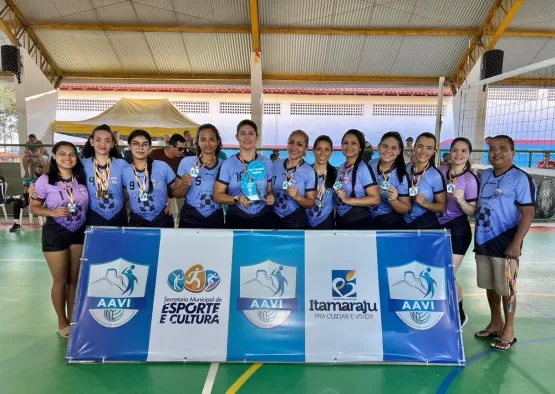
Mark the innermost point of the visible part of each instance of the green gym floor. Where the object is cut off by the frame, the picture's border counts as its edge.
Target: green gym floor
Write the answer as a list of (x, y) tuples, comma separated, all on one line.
[(32, 354)]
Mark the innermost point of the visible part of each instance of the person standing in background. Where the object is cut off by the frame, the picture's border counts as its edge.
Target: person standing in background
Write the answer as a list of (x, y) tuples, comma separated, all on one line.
[(408, 151), (546, 162)]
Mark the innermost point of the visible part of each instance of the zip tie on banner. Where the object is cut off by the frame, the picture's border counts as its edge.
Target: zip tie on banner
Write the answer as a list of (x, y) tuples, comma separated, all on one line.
[(69, 359), (447, 233), (419, 233), (83, 259), (461, 363), (103, 359), (426, 361), (123, 230), (335, 361), (244, 361), (90, 230)]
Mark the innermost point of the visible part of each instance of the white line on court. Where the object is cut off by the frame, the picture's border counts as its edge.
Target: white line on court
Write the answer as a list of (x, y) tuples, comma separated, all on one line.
[(210, 378)]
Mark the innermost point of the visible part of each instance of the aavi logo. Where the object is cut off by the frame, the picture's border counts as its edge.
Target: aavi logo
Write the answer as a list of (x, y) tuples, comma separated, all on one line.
[(417, 294), (343, 283), (195, 280), (117, 291), (268, 293)]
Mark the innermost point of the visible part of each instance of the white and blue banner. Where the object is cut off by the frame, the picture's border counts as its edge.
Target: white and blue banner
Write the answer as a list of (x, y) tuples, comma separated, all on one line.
[(266, 296)]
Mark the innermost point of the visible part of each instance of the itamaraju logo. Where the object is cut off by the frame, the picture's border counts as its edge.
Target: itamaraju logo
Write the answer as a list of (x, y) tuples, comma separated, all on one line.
[(117, 291), (268, 293), (417, 294)]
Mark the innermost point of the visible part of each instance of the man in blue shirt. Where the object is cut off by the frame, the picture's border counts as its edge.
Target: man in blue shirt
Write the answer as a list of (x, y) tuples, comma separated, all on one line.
[(503, 217)]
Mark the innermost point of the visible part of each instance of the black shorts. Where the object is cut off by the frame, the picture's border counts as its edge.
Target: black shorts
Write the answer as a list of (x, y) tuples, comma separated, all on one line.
[(296, 220), (216, 220), (265, 221), (119, 220), (163, 220), (327, 224), (428, 221), (56, 238), (390, 221), (364, 223), (461, 234)]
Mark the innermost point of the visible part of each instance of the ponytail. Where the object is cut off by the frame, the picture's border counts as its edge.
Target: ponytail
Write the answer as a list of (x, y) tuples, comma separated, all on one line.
[(149, 163), (331, 174), (354, 177)]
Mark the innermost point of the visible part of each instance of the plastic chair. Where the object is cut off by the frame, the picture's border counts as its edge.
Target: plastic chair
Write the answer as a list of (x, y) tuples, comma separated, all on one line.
[(5, 194), (41, 219)]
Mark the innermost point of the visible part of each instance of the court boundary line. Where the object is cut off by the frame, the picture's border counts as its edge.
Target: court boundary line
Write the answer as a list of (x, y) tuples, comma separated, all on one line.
[(234, 388), (210, 378), (449, 379)]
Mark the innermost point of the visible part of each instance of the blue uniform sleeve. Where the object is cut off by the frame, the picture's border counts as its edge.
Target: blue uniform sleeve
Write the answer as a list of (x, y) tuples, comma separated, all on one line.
[(403, 188), (311, 180), (125, 175), (269, 169), (525, 191), (224, 172), (438, 182), (169, 175), (184, 168), (367, 176)]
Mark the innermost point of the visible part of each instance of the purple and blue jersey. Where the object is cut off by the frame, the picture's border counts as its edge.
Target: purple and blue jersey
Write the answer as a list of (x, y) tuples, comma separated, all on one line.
[(110, 205), (402, 186), (200, 196), (430, 182), (365, 178), (498, 213), (468, 183), (55, 196), (304, 179), (230, 174), (162, 175)]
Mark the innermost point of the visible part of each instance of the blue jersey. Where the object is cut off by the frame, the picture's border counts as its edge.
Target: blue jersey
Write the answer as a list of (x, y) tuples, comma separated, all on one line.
[(162, 176), (429, 184), (304, 179), (402, 186), (498, 213), (108, 206), (317, 215), (230, 174), (365, 177), (200, 195)]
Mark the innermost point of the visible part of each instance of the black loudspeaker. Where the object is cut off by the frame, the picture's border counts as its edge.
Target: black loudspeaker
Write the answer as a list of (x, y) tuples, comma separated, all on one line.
[(10, 59), (492, 63)]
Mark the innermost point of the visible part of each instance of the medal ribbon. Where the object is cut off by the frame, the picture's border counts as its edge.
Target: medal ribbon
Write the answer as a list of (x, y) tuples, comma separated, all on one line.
[(345, 173), (199, 163), (322, 188), (383, 174), (288, 177), (245, 166), (71, 194), (511, 280), (419, 177), (101, 178), (143, 187), (453, 178)]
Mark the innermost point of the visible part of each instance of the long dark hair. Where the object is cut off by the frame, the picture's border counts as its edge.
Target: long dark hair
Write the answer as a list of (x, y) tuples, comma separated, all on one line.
[(54, 172), (331, 171), (468, 143), (362, 142), (400, 165), (208, 126), (432, 136), (141, 133), (88, 150)]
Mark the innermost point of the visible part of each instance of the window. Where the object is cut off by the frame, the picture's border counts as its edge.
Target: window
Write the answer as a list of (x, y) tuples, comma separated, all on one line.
[(405, 110), (245, 108), (328, 109)]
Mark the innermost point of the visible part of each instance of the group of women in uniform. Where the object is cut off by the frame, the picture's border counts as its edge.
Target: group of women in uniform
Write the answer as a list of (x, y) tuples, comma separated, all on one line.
[(383, 194)]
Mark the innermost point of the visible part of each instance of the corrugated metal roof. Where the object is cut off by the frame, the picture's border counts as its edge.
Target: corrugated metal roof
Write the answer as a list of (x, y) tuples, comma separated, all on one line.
[(535, 15), (361, 55), (375, 14), (218, 53), (520, 52)]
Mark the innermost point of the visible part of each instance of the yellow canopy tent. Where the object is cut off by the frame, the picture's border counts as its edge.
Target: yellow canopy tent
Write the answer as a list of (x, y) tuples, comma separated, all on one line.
[(158, 117)]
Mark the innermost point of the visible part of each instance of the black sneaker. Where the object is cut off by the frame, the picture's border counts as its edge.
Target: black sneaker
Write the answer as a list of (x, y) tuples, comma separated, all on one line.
[(9, 200), (16, 227)]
